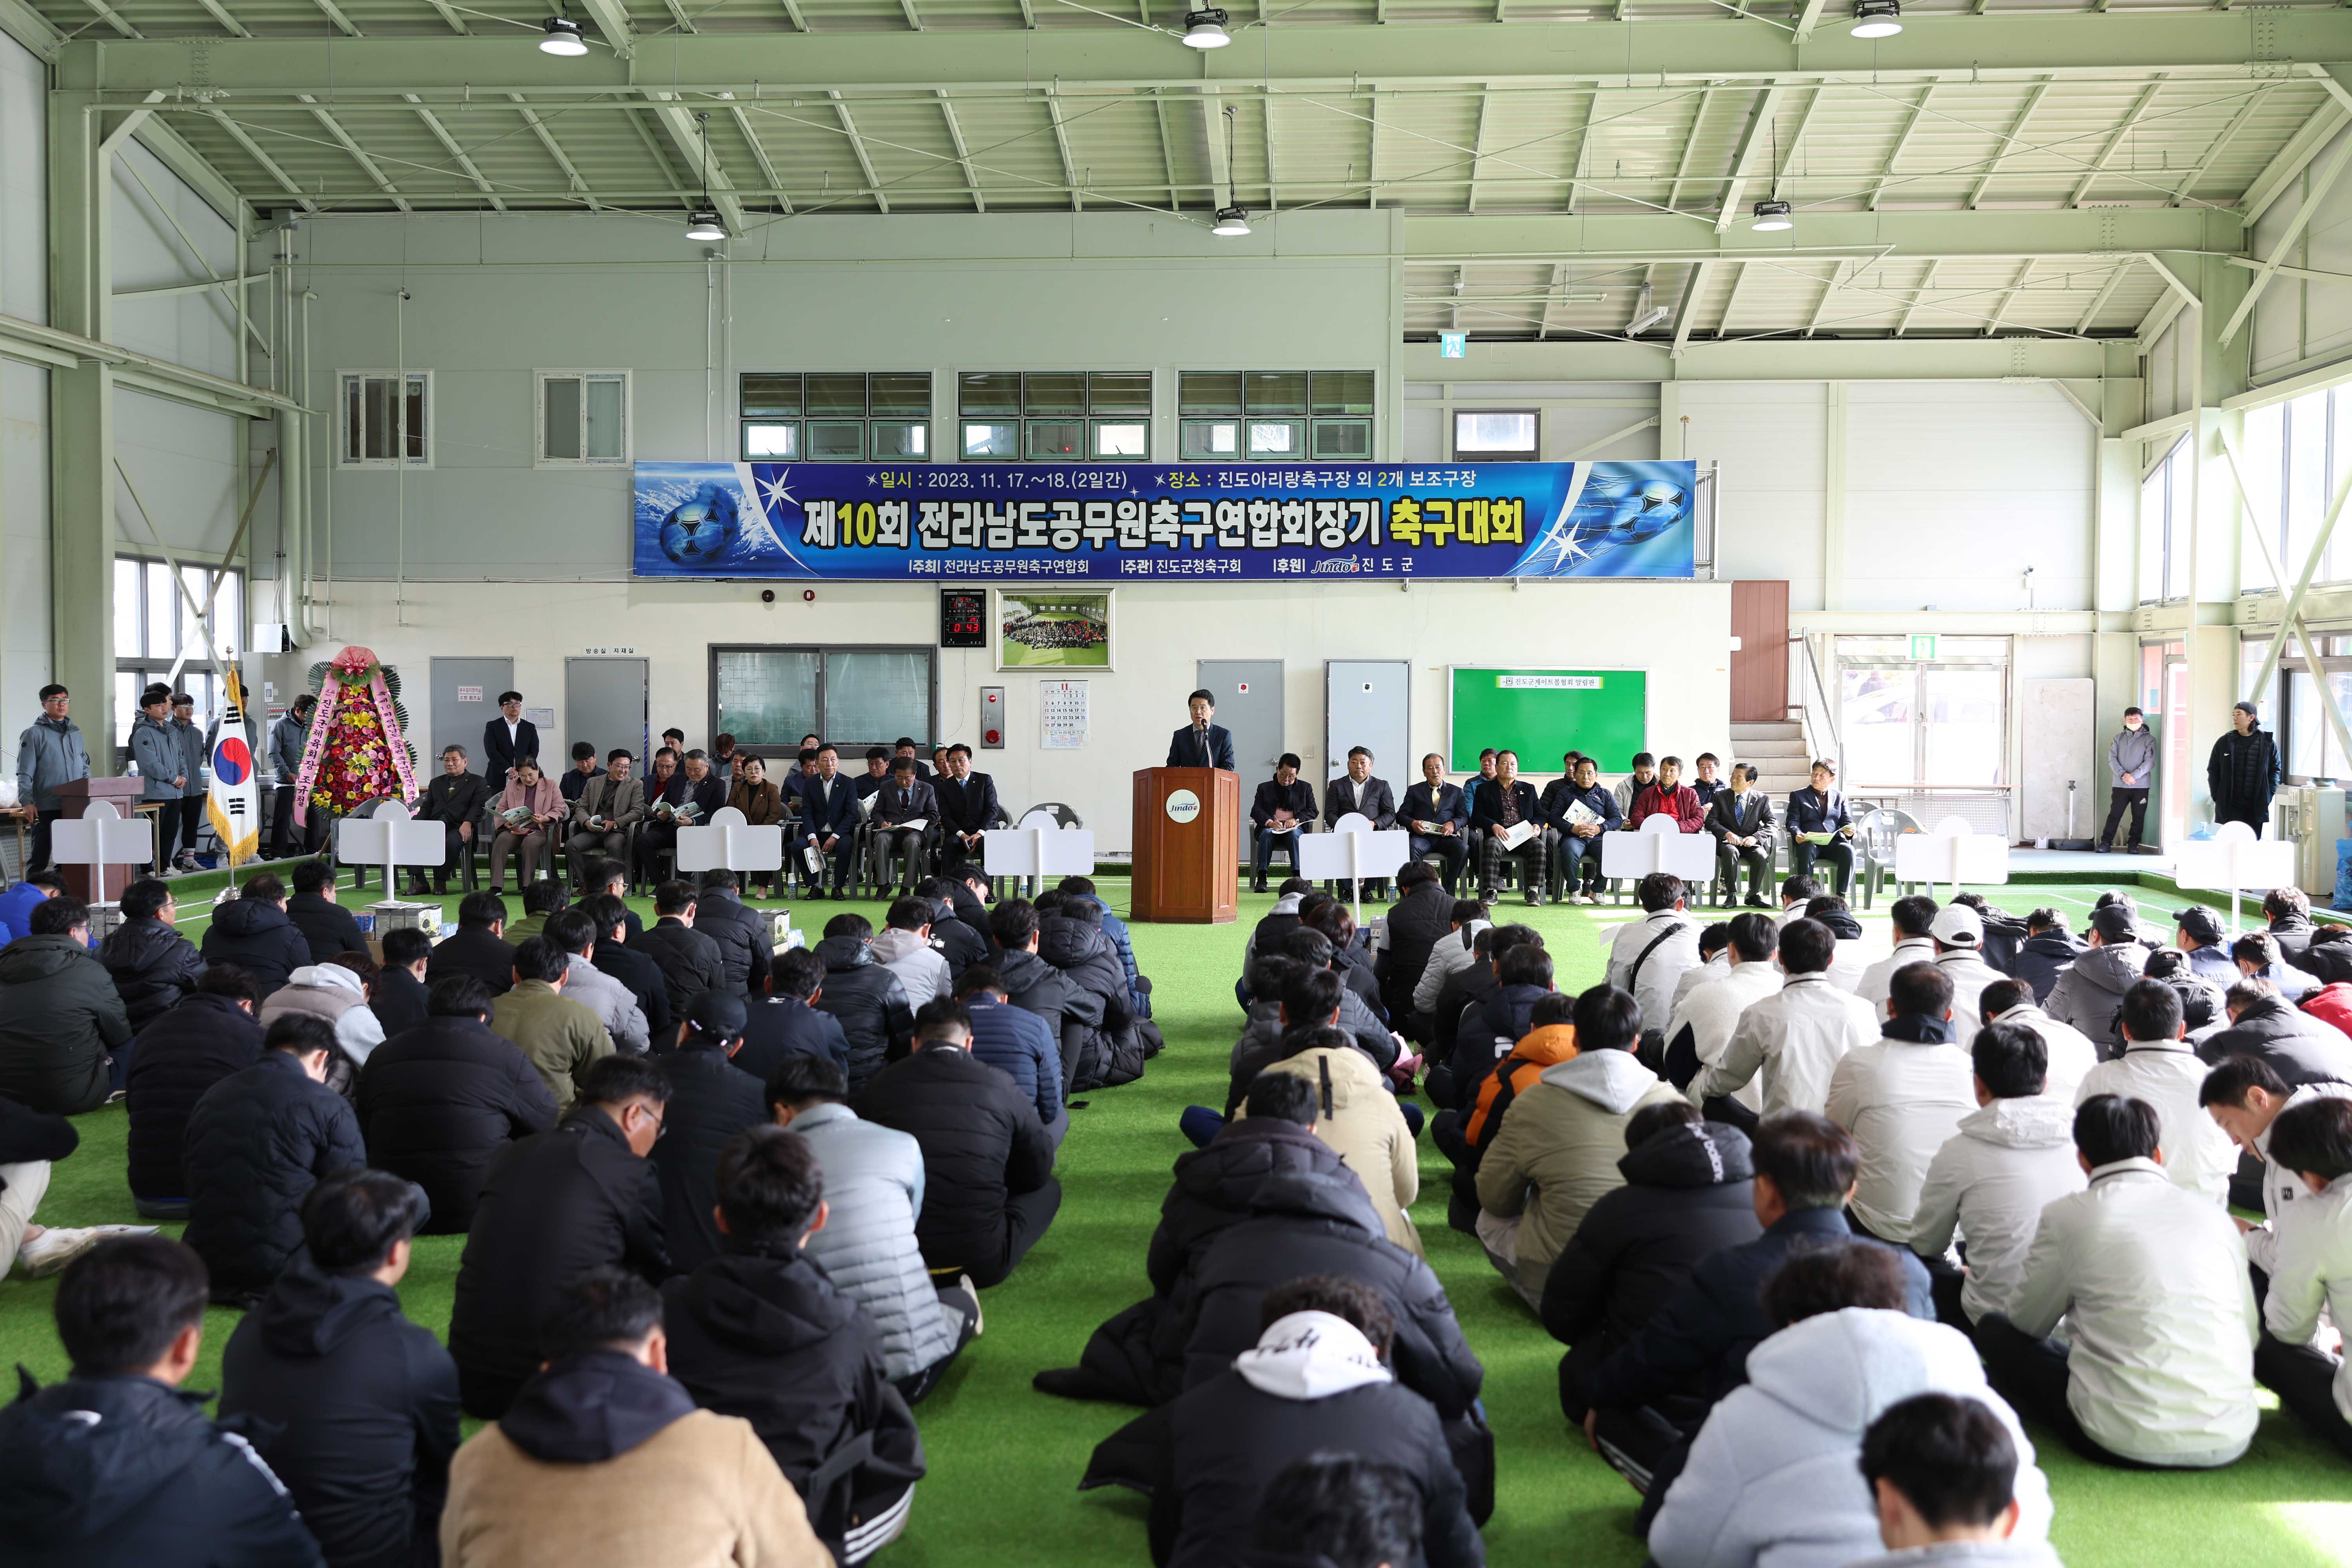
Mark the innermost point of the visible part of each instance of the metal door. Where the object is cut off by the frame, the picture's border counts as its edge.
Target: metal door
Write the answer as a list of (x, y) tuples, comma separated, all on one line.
[(1249, 703), (604, 704), (1369, 703), (465, 699)]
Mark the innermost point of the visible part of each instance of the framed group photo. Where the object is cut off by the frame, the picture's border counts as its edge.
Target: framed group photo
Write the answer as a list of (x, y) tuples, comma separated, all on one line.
[(1053, 629)]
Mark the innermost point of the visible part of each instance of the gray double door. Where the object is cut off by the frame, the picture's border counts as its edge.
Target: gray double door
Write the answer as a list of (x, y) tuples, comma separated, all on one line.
[(465, 700)]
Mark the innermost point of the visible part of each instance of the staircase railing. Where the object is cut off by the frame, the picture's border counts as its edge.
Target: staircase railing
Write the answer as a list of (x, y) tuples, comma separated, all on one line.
[(1816, 709)]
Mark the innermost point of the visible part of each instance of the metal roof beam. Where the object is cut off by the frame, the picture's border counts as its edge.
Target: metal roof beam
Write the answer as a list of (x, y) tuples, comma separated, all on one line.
[(359, 153), (2106, 292), (2016, 130), (1751, 148), (457, 153), (857, 146), (547, 141), (270, 165), (1062, 146), (767, 164), (2115, 140), (1902, 139), (2290, 160), (963, 157), (694, 146), (190, 167)]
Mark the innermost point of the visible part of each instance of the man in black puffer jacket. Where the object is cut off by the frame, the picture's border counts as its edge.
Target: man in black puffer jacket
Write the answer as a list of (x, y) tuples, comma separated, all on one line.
[(257, 1142), (440, 1101), (760, 1332), (1688, 1194), (1069, 1009), (989, 1192), (2298, 1047), (2046, 955), (154, 965), (326, 926), (1421, 916), (175, 1059), (746, 943), (689, 962), (710, 1100), (969, 894), (1498, 1020), (1105, 1055), (864, 997), (253, 932), (963, 943)]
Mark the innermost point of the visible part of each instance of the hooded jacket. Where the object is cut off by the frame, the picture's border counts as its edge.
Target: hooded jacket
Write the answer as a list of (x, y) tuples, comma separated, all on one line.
[(1559, 1149), (921, 969), (874, 1182), (982, 1143), (1901, 1099), (176, 1058), (334, 994), (2160, 1316), (1122, 942), (2067, 1052), (122, 1471), (437, 1103), (710, 1100), (2297, 1046), (2242, 772), (869, 1004), (257, 1142), (1068, 1009), (1795, 1038), (2090, 992), (2132, 752), (1101, 1055), (152, 967), (2198, 1155), (48, 753), (689, 961), (356, 1407), (537, 1489), (1357, 1115), (1773, 1478), (759, 1332), (1687, 1193), (59, 1016), (2041, 959), (746, 947), (257, 935), (1989, 1184), (1541, 1049), (1488, 1031)]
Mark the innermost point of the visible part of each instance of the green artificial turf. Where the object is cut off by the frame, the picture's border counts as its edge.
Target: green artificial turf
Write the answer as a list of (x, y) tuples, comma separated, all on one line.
[(1005, 1460)]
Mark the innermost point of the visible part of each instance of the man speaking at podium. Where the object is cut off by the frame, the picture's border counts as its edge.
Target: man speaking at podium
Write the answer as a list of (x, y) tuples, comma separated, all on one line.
[(1202, 745)]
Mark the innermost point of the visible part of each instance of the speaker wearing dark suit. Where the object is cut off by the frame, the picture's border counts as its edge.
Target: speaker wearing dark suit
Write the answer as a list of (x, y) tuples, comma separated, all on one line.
[(1196, 747)]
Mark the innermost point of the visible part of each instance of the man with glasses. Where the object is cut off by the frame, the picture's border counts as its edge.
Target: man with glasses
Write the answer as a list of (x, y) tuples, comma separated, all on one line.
[(49, 753)]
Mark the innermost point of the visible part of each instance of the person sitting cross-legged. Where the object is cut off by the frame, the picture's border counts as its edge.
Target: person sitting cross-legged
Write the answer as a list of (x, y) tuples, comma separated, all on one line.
[(357, 1405), (1902, 1097), (1017, 1043), (478, 947), (2310, 1268), (2159, 1370), (326, 925), (762, 1331), (561, 1036), (1648, 956), (186, 1051), (867, 999), (904, 947), (1943, 1473), (1336, 1509), (783, 1019), (689, 962), (1358, 1114), (400, 998), (62, 1022), (2159, 1068), (153, 965), (2067, 1051), (710, 1100), (540, 900), (1796, 1037), (2245, 1097)]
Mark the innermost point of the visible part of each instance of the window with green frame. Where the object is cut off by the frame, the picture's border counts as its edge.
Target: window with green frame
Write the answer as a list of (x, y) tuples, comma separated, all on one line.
[(1273, 415), (1055, 417), (834, 416)]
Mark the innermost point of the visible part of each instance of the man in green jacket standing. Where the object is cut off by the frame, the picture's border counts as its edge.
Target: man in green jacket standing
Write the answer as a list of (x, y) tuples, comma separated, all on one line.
[(59, 1015), (48, 753)]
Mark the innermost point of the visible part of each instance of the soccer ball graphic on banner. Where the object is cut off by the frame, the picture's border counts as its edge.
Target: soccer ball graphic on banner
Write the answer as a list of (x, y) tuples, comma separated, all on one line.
[(703, 528)]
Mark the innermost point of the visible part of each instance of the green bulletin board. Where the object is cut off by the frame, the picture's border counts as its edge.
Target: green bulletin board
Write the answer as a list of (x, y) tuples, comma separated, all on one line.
[(1541, 713)]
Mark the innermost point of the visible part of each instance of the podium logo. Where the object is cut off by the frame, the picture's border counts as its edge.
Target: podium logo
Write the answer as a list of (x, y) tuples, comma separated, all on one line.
[(1183, 805)]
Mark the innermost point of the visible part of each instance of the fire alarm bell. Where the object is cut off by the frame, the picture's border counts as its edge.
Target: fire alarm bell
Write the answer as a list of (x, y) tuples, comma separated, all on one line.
[(992, 718)]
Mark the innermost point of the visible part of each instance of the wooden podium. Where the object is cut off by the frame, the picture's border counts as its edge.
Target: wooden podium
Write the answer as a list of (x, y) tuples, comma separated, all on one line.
[(1187, 822), (73, 799)]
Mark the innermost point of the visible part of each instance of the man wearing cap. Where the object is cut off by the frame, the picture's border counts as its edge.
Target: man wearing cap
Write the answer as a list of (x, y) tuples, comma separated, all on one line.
[(1957, 931), (710, 1100), (2131, 763), (2242, 771), (2092, 988), (2197, 931)]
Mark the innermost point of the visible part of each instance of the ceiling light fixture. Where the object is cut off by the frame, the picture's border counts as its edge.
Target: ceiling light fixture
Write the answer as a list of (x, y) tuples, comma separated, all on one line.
[(1771, 216), (702, 225), (1232, 222), (1205, 29), (562, 37), (1876, 18), (1646, 314)]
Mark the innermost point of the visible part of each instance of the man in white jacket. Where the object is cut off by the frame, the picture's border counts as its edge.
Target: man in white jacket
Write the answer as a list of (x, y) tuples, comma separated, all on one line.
[(1772, 1477), (2158, 1067), (1703, 1020), (2012, 1158), (1648, 956), (1900, 1097), (2151, 1281), (1912, 917), (1958, 932), (2245, 1097), (1796, 1036), (2314, 1268), (2066, 1050), (1449, 955), (1714, 963), (1944, 1473), (615, 1005)]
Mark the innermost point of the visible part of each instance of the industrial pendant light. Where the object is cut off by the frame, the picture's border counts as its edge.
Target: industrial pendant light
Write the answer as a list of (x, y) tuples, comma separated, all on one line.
[(1771, 216), (702, 225), (1205, 29), (1876, 18), (1232, 222), (562, 37), (1232, 218)]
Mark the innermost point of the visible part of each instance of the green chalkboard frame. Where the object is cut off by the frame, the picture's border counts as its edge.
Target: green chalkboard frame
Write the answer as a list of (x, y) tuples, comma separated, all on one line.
[(1607, 719)]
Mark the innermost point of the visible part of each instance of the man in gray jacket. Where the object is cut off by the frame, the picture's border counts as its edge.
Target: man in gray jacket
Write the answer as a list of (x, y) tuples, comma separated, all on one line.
[(48, 753), (2131, 764), (289, 738), (194, 757), (157, 751)]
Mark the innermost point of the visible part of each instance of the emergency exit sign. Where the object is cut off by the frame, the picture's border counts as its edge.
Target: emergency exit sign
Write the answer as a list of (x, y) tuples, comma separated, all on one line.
[(1923, 645), (1453, 345)]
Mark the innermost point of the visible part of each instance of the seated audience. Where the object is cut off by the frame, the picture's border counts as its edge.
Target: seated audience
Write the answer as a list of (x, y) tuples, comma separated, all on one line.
[(2158, 1070), (1647, 956), (2286, 912), (968, 805), (1418, 923), (867, 999), (2089, 995), (1706, 1014), (1901, 1097), (357, 1406), (606, 812), (1462, 1135), (257, 1141), (991, 1192), (151, 965), (1438, 818), (1667, 795), (540, 900), (400, 998), (1687, 1194), (604, 1458), (207, 1037), (31, 1142), (1317, 1382), (611, 877), (1074, 1013), (1820, 827), (710, 1100), (1988, 1184), (2046, 955), (583, 769), (1740, 818), (1644, 767), (326, 925), (1523, 977), (116, 1465), (746, 941), (1958, 933), (478, 948), (60, 1015), (2157, 1370), (964, 945), (554, 1207), (783, 1019), (2067, 1051), (439, 1102), (336, 994), (1714, 960), (903, 825), (1357, 1115), (828, 830), (759, 1331), (558, 1036), (1558, 1150), (759, 798), (527, 809), (1848, 965), (2199, 932), (1772, 1478), (873, 1189), (254, 932), (1912, 916), (2310, 1268), (1505, 803), (638, 974), (455, 799), (1942, 1470), (1464, 992), (573, 933), (1104, 1055), (2298, 1046), (2257, 957), (689, 961), (1338, 1509), (903, 947), (1797, 1036), (2245, 1097), (1017, 1043), (1284, 807), (1448, 956)]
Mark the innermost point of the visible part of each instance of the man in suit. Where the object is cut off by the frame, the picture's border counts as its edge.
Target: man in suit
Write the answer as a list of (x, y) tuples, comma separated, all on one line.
[(1741, 817), (1819, 808), (1435, 811), (456, 800), (1357, 790), (828, 823), (904, 747), (1573, 838), (605, 816), (877, 774), (1504, 803), (904, 799), (1284, 808), (508, 739), (694, 784), (1202, 745), (967, 804)]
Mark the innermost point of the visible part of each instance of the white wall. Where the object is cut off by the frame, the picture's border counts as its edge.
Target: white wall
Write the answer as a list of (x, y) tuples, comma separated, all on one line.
[(2298, 321), (23, 394)]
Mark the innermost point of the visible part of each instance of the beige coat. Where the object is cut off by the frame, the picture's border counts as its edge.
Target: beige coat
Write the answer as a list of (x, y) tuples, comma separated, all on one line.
[(559, 1036), (1367, 1131), (704, 1490), (1559, 1148)]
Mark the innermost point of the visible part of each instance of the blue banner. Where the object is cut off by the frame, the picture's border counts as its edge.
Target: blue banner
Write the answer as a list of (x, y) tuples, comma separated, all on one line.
[(1142, 522)]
